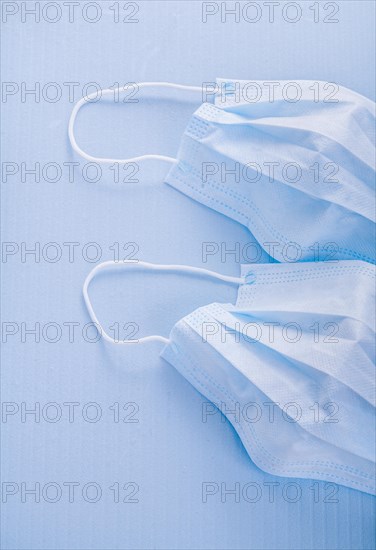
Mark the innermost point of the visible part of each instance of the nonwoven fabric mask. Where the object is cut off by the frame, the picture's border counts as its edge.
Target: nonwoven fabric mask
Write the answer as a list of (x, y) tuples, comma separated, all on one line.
[(290, 364), (292, 161)]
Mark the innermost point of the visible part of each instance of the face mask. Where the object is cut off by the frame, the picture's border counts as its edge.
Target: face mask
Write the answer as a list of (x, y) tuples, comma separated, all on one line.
[(297, 170), (291, 365)]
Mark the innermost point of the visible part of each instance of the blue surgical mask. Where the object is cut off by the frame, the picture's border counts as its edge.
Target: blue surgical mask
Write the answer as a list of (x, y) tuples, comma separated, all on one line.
[(297, 168), (291, 364)]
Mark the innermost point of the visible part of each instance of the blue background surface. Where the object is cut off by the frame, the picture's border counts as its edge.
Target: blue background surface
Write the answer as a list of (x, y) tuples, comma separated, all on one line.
[(170, 452)]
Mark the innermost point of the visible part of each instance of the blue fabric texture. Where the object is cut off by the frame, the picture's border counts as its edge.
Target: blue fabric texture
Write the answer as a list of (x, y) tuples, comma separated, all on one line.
[(300, 175)]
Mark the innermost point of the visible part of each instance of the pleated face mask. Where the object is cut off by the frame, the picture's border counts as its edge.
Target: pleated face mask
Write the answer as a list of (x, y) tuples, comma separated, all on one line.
[(291, 365), (293, 162)]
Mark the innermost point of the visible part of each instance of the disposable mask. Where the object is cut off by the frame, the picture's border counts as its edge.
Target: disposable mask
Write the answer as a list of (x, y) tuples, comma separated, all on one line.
[(291, 364), (293, 162)]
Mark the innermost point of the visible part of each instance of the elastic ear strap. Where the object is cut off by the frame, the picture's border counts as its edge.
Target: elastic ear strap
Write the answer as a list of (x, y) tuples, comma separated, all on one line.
[(110, 91), (151, 267)]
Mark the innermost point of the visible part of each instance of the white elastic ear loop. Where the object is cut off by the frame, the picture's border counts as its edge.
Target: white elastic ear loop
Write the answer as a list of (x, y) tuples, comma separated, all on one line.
[(110, 91), (152, 267)]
